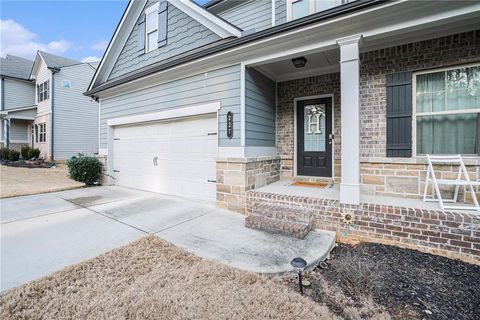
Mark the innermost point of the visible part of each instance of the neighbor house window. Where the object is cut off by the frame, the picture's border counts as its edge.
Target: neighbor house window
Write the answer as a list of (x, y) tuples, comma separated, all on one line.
[(447, 111), (42, 132), (66, 84), (151, 30), (43, 91), (301, 8)]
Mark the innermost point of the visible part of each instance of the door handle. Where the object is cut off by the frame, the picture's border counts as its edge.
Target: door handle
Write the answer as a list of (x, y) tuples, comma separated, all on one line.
[(331, 137), (155, 163)]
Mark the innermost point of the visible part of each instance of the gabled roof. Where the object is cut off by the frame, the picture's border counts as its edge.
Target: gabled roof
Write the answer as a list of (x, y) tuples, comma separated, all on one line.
[(134, 8), (56, 62), (15, 67)]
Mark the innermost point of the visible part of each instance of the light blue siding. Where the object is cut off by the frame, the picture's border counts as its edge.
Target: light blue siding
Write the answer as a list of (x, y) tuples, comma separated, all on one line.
[(221, 85), (256, 14), (259, 109), (18, 94), (280, 11), (75, 116), (183, 34)]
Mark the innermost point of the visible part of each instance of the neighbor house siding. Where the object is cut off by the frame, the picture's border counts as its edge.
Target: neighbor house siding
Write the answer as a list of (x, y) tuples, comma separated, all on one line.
[(256, 14), (43, 75), (280, 11), (18, 94), (183, 34), (75, 115), (221, 85), (259, 109)]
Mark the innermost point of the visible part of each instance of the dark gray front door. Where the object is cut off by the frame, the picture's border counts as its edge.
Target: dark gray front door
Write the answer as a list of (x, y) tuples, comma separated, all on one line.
[(314, 146)]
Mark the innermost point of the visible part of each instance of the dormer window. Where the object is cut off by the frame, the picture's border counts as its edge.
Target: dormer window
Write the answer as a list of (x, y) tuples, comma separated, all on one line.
[(301, 8), (151, 30)]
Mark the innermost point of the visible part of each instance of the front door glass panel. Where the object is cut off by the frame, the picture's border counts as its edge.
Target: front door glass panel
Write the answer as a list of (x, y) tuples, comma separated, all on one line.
[(314, 128)]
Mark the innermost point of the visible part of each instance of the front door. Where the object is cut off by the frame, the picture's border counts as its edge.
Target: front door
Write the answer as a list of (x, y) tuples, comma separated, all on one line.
[(314, 143)]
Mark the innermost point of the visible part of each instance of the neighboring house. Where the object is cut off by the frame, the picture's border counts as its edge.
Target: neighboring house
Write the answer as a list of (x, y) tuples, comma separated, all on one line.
[(17, 102), (66, 122), (220, 102)]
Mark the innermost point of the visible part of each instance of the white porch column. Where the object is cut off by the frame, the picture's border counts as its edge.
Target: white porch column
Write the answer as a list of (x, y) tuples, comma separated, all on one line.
[(350, 119)]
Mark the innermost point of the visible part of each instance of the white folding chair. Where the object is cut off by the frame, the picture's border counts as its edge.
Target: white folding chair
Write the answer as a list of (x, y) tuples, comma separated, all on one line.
[(464, 181)]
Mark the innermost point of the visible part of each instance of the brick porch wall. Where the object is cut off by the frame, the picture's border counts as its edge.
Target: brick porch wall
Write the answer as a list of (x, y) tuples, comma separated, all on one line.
[(235, 176), (451, 234), (380, 175)]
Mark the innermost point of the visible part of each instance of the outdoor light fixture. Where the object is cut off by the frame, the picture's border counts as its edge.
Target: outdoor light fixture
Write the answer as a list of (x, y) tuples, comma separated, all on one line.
[(299, 264), (299, 62)]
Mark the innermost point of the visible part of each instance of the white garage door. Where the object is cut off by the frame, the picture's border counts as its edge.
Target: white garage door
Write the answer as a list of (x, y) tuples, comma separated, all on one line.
[(172, 157)]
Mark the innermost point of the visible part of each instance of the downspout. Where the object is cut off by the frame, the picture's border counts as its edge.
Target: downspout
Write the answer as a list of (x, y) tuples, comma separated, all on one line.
[(2, 107), (52, 111)]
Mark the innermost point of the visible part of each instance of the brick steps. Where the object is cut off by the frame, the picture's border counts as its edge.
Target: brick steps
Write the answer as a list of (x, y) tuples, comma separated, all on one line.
[(294, 222)]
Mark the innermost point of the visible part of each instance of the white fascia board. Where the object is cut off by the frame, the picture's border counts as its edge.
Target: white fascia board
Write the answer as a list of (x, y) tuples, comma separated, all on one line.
[(167, 114), (209, 20)]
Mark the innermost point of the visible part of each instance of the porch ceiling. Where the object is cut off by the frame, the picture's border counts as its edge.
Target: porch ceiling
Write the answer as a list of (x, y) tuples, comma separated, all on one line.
[(317, 63)]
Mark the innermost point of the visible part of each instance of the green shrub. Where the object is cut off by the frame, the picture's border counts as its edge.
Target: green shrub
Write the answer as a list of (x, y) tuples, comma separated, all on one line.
[(25, 152), (13, 155), (4, 153), (33, 153), (85, 169)]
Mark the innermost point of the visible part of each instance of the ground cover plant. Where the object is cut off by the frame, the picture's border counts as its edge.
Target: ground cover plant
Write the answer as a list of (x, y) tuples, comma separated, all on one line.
[(370, 280)]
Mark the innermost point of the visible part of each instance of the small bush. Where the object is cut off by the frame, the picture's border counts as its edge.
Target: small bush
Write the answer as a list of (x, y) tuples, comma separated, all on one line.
[(13, 155), (33, 153), (4, 153), (25, 152), (85, 169), (9, 154)]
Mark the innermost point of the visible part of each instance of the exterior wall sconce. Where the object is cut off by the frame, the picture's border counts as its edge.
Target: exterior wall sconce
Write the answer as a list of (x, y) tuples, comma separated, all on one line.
[(299, 62)]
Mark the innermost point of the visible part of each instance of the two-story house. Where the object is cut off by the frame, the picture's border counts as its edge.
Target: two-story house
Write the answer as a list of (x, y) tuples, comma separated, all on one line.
[(17, 102), (322, 109), (66, 122)]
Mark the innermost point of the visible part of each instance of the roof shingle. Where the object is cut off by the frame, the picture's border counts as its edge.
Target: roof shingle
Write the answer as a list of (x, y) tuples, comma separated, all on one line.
[(16, 67)]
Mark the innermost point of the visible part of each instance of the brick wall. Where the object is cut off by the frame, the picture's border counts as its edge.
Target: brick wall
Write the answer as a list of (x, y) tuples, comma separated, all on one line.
[(451, 234), (235, 176), (430, 54), (384, 179), (286, 93)]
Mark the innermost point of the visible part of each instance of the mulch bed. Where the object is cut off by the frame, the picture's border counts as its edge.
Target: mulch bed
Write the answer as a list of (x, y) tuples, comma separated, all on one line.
[(25, 164), (407, 283)]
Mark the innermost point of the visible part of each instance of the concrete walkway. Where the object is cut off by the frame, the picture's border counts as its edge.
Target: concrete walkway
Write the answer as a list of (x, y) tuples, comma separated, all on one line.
[(44, 233)]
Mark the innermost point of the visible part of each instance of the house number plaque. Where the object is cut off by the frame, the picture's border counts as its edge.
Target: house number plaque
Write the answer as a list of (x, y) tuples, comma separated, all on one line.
[(230, 124)]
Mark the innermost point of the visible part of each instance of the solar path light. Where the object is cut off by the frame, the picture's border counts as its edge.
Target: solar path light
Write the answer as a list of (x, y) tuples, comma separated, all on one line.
[(299, 264)]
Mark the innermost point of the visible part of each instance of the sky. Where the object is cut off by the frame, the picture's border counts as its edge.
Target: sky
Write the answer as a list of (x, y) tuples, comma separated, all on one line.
[(77, 29)]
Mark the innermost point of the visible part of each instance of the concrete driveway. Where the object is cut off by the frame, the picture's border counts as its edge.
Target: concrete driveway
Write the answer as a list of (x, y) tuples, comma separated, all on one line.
[(44, 233)]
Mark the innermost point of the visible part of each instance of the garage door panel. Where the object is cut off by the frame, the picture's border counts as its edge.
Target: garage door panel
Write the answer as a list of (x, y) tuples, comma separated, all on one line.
[(185, 156)]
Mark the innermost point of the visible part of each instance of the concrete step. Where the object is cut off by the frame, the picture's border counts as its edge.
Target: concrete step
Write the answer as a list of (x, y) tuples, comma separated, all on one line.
[(284, 213), (289, 228)]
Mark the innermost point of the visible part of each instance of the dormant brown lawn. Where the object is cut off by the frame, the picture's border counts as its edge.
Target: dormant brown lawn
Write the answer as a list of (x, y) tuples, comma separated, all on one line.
[(151, 279)]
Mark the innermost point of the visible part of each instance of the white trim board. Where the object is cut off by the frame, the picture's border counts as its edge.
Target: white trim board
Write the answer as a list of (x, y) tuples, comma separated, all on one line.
[(295, 100), (209, 20), (167, 114)]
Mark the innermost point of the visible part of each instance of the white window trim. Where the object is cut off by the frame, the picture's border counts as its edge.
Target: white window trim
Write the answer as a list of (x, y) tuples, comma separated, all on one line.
[(311, 8), (433, 113), (40, 132), (149, 10)]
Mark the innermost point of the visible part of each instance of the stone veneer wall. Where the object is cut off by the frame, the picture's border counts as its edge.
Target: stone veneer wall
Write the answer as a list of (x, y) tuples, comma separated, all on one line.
[(451, 234), (380, 175), (235, 176)]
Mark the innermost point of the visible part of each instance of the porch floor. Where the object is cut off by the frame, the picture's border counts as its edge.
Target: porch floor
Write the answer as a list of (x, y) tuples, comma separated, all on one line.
[(333, 192)]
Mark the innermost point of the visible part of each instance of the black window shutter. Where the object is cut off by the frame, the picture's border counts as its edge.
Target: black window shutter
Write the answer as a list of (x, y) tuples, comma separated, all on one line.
[(399, 114), (141, 35), (162, 23)]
